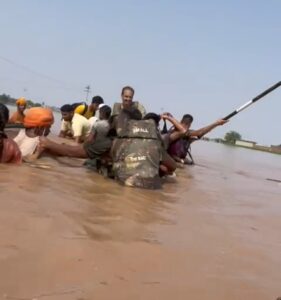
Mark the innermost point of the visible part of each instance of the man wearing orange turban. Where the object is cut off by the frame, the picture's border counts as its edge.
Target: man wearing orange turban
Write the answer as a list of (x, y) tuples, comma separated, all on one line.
[(37, 122), (18, 116)]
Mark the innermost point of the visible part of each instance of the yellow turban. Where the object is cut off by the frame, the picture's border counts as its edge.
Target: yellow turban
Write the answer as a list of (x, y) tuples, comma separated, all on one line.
[(81, 109), (38, 117), (21, 101)]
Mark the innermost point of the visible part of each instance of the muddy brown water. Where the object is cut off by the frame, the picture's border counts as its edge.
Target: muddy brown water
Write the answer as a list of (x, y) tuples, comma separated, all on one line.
[(212, 233)]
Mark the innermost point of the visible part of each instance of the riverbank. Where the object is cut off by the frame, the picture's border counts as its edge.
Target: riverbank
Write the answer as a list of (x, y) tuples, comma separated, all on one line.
[(214, 233), (268, 149)]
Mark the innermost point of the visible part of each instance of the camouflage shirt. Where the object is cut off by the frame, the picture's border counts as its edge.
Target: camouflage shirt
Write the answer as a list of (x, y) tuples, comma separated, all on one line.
[(117, 108), (136, 157)]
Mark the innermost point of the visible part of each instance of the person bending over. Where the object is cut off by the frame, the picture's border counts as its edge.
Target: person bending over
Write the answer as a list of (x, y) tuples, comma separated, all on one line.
[(88, 111), (74, 125), (180, 140), (97, 143), (167, 165)]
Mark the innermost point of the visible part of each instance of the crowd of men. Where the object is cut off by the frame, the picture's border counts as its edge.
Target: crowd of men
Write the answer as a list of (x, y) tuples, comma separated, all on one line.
[(124, 140)]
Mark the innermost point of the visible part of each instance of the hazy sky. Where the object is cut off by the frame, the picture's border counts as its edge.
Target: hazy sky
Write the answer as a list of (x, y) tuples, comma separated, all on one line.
[(200, 57)]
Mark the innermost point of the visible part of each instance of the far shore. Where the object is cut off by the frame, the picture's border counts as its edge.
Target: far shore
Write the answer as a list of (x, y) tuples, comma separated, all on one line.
[(271, 149)]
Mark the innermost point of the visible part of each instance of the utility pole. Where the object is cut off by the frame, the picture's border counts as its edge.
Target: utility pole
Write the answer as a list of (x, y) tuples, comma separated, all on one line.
[(87, 90), (25, 92)]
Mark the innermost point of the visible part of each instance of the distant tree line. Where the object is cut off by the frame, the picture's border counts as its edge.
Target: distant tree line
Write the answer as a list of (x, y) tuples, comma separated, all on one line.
[(8, 100), (231, 137)]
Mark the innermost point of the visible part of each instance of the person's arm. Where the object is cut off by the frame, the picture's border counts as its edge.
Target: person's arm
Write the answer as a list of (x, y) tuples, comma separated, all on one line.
[(196, 133), (32, 157), (180, 130), (63, 129), (92, 135), (204, 130), (78, 139), (63, 149), (177, 125)]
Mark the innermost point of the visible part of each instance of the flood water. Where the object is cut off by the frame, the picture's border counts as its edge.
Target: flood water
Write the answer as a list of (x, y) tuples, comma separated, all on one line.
[(213, 232)]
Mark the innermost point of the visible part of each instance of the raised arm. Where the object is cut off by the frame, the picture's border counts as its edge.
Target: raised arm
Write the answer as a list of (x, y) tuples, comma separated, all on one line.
[(204, 130), (174, 136), (178, 126)]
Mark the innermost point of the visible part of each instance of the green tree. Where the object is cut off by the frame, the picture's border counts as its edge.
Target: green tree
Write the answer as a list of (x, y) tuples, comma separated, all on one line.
[(231, 137), (6, 99)]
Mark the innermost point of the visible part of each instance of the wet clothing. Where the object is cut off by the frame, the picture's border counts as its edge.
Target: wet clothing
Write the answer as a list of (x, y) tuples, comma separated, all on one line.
[(101, 143), (136, 154), (17, 118), (181, 148), (117, 108), (9, 151), (27, 145), (79, 126)]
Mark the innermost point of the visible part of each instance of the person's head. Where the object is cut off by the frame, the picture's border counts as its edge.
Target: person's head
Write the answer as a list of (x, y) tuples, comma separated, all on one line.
[(152, 116), (21, 104), (127, 96), (187, 120), (4, 117), (39, 120), (67, 112), (96, 101), (105, 112)]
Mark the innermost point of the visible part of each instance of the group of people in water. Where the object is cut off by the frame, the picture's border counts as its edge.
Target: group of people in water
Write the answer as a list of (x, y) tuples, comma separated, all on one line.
[(124, 140)]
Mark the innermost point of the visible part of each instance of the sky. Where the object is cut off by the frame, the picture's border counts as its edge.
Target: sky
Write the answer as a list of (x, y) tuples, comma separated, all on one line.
[(205, 58)]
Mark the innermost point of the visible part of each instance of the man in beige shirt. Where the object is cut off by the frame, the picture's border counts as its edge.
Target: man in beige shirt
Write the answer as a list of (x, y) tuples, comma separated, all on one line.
[(74, 125)]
